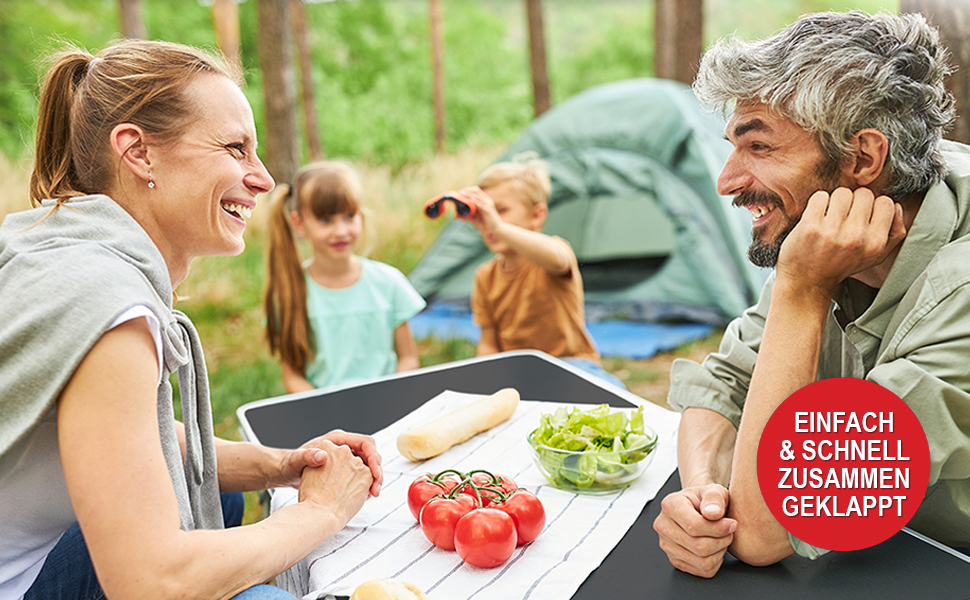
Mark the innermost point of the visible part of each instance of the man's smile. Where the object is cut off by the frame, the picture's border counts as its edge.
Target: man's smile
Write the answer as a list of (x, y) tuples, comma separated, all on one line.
[(761, 205)]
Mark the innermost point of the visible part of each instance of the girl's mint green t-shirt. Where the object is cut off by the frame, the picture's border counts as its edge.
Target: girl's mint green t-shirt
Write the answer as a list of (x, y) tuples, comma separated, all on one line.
[(353, 328)]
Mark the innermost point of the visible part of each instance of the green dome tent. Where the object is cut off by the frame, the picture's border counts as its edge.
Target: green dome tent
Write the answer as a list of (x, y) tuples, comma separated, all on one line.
[(633, 167)]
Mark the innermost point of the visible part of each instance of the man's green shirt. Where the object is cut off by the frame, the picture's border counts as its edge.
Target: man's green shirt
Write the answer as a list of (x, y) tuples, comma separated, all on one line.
[(912, 337)]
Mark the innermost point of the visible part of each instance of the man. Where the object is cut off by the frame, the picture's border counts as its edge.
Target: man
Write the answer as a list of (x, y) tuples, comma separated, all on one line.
[(861, 209)]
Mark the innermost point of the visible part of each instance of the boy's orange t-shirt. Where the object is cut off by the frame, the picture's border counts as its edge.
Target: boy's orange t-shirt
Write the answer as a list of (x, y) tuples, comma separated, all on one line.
[(532, 309)]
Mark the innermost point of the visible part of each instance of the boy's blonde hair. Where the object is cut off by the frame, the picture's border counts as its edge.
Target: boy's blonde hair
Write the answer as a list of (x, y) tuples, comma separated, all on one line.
[(528, 173)]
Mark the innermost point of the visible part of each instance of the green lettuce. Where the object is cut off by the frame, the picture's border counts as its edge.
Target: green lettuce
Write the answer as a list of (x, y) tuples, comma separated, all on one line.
[(612, 443)]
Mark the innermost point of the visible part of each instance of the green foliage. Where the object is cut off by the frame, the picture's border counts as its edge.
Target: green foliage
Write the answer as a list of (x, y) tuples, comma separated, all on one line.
[(371, 60), (178, 21), (227, 286), (29, 30), (620, 49), (373, 81), (399, 251), (756, 19), (371, 66), (488, 97)]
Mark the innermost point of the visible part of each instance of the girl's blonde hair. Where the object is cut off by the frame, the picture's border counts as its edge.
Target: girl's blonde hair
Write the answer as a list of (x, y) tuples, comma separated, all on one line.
[(83, 97), (528, 173), (321, 190)]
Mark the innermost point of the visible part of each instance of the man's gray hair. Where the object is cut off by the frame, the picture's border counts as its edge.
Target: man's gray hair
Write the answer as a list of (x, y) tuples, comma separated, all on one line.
[(834, 74)]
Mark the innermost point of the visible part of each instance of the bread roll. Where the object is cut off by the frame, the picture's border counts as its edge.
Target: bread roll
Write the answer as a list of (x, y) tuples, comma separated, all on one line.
[(431, 439), (387, 589)]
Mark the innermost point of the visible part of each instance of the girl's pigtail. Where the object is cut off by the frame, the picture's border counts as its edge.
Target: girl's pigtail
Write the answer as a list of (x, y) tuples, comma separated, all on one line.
[(54, 173), (287, 320)]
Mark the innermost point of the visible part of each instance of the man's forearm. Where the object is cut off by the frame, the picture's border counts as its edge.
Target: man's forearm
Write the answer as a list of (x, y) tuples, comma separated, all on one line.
[(705, 448), (693, 528), (787, 361)]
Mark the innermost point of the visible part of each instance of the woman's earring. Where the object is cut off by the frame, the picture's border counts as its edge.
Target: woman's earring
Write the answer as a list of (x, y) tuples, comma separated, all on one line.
[(151, 184)]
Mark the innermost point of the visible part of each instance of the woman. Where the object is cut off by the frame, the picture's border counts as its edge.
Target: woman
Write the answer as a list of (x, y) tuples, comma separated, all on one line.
[(145, 158)]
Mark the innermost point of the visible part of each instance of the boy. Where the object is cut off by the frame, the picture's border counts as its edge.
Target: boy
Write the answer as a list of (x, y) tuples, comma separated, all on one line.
[(530, 296)]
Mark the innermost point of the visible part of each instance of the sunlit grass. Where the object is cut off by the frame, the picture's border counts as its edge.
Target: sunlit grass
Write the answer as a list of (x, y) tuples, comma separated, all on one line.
[(223, 295)]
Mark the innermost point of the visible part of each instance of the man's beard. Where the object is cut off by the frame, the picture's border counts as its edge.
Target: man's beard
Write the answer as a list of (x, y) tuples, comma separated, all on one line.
[(763, 253)]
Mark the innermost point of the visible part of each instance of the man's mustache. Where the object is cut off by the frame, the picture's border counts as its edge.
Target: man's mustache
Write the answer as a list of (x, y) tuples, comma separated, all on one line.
[(757, 198)]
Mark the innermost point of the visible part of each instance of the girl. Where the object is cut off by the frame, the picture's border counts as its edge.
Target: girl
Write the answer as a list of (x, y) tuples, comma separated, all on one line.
[(338, 317)]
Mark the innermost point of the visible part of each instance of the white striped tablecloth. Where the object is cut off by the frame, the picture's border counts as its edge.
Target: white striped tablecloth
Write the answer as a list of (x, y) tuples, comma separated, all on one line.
[(384, 541)]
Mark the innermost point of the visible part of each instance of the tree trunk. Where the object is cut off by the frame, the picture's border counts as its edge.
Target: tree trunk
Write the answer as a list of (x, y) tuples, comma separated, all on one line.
[(438, 78), (132, 24), (225, 24), (678, 39), (276, 64), (310, 123), (952, 18), (537, 58)]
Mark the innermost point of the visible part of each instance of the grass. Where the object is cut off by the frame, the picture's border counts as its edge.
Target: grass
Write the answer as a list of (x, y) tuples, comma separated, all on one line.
[(222, 295), (433, 350)]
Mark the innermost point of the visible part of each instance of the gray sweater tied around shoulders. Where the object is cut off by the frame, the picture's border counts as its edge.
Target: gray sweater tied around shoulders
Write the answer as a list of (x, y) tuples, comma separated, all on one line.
[(65, 276)]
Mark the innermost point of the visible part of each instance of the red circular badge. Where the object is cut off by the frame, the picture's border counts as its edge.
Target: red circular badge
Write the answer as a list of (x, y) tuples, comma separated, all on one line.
[(843, 464)]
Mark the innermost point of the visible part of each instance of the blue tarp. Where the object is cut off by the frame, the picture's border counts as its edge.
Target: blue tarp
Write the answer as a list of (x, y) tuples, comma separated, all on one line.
[(626, 339)]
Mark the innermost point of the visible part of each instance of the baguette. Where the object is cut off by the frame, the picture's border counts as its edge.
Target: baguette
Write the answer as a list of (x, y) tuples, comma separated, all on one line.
[(431, 439)]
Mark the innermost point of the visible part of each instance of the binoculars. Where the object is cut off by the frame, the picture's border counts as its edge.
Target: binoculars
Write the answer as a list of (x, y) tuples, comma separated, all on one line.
[(463, 209)]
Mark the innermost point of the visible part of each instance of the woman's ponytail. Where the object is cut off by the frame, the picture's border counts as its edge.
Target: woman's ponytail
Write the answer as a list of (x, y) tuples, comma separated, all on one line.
[(83, 98), (287, 320), (54, 174)]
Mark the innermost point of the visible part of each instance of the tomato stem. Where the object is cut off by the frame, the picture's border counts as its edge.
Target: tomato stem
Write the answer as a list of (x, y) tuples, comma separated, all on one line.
[(458, 488), (502, 496), (492, 478), (438, 477)]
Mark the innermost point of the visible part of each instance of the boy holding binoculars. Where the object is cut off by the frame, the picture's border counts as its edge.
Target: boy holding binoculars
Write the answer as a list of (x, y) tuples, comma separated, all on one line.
[(530, 296)]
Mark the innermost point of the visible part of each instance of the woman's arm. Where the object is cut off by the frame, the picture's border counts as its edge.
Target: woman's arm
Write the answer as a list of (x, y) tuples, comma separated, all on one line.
[(124, 501), (246, 467), (405, 348)]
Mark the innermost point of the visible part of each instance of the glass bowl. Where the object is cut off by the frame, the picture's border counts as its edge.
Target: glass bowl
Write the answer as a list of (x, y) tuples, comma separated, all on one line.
[(590, 472)]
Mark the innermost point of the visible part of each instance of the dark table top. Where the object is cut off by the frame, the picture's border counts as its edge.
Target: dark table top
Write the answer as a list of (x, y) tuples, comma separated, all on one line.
[(905, 566)]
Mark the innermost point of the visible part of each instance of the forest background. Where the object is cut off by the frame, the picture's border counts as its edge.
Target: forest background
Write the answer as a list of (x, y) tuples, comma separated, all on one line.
[(372, 80)]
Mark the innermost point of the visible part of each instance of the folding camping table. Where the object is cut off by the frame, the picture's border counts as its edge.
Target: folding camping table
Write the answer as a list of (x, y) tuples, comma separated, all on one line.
[(908, 565)]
